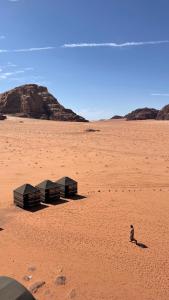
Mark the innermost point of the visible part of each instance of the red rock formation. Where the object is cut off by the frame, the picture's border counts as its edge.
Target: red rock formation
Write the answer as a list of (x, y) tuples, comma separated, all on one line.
[(33, 101)]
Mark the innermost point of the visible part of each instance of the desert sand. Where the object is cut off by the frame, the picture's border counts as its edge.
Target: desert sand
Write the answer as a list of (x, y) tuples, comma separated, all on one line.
[(123, 171)]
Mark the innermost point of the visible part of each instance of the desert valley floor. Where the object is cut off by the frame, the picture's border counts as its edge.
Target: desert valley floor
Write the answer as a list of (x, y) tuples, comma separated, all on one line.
[(123, 171)]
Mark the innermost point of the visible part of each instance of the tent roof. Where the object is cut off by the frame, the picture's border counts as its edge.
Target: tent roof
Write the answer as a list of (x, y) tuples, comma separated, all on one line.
[(25, 189), (47, 184), (66, 181)]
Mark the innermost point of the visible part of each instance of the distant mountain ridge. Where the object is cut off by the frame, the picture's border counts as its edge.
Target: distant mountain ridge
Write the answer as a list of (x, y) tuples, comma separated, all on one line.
[(117, 117), (142, 114), (34, 101), (146, 113)]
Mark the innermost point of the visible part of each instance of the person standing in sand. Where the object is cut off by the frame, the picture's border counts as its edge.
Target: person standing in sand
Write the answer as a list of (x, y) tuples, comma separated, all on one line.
[(132, 238)]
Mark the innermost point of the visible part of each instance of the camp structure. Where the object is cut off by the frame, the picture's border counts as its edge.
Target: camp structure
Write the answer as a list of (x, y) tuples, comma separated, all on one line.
[(68, 186), (26, 196), (10, 289), (49, 191)]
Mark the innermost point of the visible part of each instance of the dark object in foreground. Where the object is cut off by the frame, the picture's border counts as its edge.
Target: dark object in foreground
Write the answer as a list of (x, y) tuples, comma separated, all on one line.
[(92, 130), (67, 186), (2, 117), (27, 196), (35, 286), (10, 289), (49, 191)]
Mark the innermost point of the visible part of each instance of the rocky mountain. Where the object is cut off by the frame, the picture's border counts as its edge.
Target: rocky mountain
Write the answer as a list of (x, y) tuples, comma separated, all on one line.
[(33, 101), (163, 114), (142, 114), (116, 117)]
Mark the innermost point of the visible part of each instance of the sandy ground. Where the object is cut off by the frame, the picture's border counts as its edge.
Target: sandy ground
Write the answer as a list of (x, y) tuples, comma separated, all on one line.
[(123, 170)]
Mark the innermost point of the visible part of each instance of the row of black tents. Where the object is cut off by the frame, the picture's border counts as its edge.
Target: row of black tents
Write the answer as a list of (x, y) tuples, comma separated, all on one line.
[(27, 196)]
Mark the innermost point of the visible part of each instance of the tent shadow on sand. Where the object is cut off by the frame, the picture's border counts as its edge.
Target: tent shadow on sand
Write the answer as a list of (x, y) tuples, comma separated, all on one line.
[(58, 201), (36, 208), (77, 197)]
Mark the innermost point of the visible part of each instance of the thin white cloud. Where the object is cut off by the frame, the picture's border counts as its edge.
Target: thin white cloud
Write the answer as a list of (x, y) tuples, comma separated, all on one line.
[(13, 0), (19, 72), (81, 45), (29, 69), (11, 72), (32, 49), (3, 51), (5, 75), (115, 45), (27, 50), (9, 64), (160, 94)]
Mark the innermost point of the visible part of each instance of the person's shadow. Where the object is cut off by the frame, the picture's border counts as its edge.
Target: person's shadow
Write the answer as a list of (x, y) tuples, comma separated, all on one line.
[(141, 245)]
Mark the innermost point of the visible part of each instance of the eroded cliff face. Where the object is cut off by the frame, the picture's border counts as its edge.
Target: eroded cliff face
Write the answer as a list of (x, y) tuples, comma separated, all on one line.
[(33, 101)]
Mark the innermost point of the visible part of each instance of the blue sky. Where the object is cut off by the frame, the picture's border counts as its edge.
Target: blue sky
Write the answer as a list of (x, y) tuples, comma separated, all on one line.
[(98, 58)]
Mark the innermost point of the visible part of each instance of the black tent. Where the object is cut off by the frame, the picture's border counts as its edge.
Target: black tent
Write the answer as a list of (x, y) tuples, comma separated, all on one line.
[(49, 191), (26, 196), (10, 289), (68, 186)]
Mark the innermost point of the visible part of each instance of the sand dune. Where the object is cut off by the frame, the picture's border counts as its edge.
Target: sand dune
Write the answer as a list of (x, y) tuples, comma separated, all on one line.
[(123, 171)]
